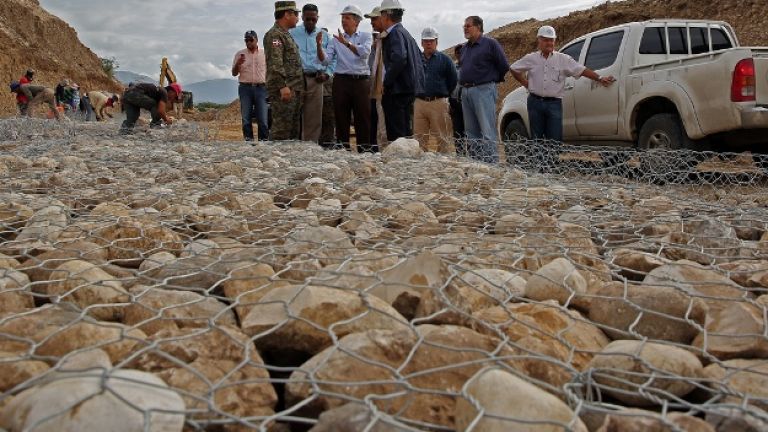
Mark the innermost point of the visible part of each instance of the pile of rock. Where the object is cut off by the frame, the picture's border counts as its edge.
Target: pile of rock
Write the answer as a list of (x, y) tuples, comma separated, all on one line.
[(200, 285)]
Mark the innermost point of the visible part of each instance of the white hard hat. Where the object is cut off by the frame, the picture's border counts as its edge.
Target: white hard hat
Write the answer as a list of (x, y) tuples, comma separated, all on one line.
[(391, 4), (352, 10), (375, 13), (429, 33), (547, 32)]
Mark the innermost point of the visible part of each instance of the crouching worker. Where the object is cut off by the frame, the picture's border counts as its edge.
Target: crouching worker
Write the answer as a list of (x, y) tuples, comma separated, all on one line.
[(153, 98), (100, 102), (34, 95)]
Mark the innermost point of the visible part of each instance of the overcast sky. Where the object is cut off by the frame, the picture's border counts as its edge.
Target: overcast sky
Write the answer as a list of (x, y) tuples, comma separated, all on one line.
[(200, 37)]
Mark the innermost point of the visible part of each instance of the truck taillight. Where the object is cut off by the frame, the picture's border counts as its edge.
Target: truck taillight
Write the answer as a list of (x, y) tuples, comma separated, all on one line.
[(743, 84)]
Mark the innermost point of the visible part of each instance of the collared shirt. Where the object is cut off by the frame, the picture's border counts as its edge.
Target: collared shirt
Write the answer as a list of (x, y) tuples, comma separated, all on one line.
[(348, 62), (546, 75), (308, 49), (439, 75), (254, 70), (483, 62)]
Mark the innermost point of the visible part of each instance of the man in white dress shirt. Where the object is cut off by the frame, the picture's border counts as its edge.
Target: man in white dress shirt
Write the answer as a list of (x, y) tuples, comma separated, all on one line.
[(546, 72), (351, 81)]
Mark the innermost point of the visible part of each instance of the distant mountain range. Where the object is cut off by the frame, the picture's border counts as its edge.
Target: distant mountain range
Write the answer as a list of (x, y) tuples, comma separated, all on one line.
[(221, 91), (127, 77)]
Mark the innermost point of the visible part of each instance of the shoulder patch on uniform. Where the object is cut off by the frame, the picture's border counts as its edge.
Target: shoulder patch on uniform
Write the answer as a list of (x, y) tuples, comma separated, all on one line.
[(276, 42)]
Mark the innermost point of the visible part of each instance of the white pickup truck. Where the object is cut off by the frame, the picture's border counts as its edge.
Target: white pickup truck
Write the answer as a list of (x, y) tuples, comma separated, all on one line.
[(680, 84)]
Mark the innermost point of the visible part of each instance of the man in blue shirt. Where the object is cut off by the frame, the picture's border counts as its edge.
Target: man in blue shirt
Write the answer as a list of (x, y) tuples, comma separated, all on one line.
[(431, 111), (483, 64), (403, 72), (315, 73), (351, 81)]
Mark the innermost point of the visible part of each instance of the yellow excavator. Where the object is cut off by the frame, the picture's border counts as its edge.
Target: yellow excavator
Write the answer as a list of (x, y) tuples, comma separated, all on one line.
[(166, 74)]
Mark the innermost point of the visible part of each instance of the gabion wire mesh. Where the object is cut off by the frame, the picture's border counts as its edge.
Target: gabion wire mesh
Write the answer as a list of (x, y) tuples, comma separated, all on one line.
[(167, 281)]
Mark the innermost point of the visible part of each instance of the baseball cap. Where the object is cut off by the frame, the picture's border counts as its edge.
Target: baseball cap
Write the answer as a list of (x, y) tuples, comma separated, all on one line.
[(547, 32), (391, 4), (375, 13), (429, 33), (352, 10), (286, 5), (250, 34), (176, 87)]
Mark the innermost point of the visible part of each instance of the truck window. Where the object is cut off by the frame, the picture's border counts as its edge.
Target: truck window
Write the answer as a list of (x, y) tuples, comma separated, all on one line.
[(574, 50), (653, 41), (678, 41), (603, 50), (719, 40), (699, 40)]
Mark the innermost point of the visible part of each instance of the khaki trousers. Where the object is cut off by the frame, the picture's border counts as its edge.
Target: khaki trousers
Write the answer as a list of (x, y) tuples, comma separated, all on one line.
[(433, 118), (312, 111)]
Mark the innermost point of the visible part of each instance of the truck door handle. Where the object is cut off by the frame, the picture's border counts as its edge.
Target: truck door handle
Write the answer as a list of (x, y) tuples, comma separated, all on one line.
[(569, 87)]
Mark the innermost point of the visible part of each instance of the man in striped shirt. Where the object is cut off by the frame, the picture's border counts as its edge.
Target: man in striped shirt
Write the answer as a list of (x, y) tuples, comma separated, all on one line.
[(250, 66)]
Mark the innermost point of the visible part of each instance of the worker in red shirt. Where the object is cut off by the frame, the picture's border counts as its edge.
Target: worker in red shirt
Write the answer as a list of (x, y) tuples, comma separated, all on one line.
[(22, 101)]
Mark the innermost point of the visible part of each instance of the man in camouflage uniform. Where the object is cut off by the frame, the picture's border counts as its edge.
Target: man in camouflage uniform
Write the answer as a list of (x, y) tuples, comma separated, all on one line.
[(285, 74)]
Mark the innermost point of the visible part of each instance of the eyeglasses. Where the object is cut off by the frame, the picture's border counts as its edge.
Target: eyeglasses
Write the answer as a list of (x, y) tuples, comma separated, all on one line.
[(249, 39)]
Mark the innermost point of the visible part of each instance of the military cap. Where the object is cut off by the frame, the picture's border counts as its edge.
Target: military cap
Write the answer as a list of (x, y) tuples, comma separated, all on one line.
[(286, 6)]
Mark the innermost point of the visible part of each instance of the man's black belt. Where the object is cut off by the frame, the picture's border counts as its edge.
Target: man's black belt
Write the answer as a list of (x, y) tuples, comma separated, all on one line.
[(252, 84), (431, 98), (311, 74), (350, 76), (472, 84), (545, 98)]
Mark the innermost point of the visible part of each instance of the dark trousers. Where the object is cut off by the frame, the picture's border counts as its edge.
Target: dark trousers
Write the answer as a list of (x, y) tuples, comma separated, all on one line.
[(328, 128), (398, 115), (351, 97), (457, 118), (253, 100), (546, 118), (133, 102)]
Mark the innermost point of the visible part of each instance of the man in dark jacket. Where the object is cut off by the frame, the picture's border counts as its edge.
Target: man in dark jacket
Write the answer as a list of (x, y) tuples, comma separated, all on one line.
[(403, 71)]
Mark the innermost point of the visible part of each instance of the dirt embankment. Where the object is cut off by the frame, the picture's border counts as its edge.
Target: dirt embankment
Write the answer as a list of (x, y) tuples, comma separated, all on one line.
[(30, 37), (748, 17)]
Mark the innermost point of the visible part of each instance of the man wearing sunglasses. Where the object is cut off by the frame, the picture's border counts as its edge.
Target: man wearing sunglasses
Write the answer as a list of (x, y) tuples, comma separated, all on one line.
[(250, 68)]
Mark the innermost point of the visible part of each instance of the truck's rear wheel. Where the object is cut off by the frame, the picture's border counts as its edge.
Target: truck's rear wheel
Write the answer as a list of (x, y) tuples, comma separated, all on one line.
[(659, 136), (515, 150)]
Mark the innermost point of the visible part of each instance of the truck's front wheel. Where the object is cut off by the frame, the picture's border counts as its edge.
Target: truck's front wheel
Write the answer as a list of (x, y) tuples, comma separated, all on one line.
[(659, 136), (515, 148)]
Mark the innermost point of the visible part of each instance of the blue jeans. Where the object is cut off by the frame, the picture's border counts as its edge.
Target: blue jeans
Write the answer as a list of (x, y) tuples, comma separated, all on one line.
[(253, 99), (546, 118), (479, 108)]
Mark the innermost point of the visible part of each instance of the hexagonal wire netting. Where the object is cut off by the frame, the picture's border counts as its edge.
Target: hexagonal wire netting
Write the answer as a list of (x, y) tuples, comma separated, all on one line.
[(165, 281)]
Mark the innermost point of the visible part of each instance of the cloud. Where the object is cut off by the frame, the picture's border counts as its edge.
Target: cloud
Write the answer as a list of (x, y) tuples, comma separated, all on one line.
[(202, 35)]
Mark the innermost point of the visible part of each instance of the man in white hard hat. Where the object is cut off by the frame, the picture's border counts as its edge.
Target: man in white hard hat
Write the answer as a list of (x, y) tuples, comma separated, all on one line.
[(403, 71), (376, 62), (431, 114), (351, 82), (546, 72)]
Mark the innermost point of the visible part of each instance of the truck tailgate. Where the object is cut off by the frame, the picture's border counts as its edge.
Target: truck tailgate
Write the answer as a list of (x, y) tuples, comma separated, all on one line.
[(760, 56)]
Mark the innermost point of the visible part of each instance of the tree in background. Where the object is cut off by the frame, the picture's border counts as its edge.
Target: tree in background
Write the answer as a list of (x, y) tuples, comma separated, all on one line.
[(109, 65)]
